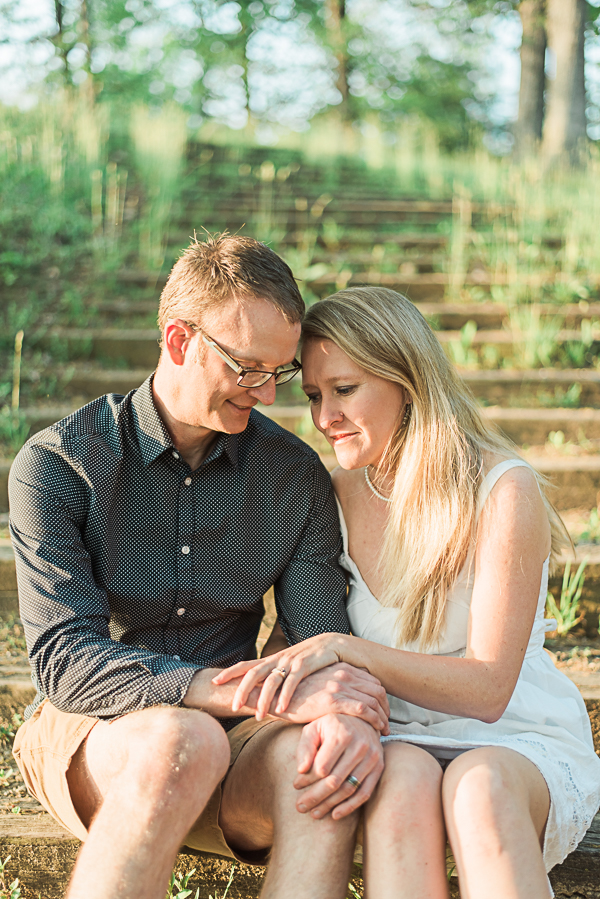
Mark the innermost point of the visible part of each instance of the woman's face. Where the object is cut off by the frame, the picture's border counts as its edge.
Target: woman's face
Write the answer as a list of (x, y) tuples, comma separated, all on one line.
[(356, 411)]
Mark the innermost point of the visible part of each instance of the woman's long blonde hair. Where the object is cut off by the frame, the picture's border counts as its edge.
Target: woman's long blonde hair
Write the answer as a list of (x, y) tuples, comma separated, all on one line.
[(435, 452)]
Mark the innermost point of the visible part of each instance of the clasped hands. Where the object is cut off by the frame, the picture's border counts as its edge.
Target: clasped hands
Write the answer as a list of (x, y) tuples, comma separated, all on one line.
[(344, 709)]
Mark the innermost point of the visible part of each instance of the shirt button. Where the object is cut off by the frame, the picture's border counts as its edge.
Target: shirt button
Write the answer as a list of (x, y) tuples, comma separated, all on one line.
[(178, 658), (187, 482), (180, 611), (185, 550), (174, 454)]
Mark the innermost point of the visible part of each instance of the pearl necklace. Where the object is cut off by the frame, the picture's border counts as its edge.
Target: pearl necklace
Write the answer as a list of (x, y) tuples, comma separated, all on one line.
[(371, 486)]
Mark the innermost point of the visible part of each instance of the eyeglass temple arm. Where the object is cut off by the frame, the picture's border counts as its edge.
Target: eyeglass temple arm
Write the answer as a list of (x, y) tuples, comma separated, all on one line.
[(233, 365)]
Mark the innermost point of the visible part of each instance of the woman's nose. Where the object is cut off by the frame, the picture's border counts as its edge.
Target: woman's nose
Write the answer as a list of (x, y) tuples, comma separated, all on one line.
[(328, 414)]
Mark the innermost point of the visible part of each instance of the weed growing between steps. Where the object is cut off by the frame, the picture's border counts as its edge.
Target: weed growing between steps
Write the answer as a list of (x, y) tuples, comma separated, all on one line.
[(8, 889)]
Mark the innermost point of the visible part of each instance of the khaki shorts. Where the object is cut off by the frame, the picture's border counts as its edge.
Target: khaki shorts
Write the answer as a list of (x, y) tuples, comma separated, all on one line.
[(46, 743)]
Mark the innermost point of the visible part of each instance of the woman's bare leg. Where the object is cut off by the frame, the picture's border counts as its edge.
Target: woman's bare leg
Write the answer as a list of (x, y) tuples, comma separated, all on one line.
[(404, 835), (496, 805)]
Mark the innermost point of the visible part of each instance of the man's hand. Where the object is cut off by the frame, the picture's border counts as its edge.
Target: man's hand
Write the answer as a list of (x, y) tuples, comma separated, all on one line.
[(338, 690), (330, 750)]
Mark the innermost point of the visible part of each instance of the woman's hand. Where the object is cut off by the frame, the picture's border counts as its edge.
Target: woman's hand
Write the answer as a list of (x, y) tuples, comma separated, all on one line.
[(297, 661), (336, 690)]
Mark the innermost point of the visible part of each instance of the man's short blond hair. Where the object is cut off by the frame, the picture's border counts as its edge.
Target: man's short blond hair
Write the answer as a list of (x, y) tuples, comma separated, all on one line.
[(210, 273)]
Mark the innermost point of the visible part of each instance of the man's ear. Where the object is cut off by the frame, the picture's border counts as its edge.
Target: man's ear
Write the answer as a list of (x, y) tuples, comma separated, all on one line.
[(176, 340)]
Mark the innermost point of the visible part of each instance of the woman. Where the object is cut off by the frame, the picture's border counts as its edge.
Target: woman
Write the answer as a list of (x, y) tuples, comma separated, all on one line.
[(448, 539)]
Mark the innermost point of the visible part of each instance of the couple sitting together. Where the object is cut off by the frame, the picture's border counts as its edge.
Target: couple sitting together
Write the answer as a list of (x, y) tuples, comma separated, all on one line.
[(406, 675)]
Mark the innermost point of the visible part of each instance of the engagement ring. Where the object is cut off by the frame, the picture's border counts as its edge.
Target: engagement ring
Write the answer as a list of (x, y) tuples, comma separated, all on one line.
[(280, 671)]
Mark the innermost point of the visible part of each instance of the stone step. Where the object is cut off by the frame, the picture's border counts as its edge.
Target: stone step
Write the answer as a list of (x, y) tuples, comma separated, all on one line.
[(42, 855), (574, 481), (430, 240), (88, 382), (427, 287), (492, 316), (347, 204), (446, 316), (515, 387), (365, 238), (434, 284), (536, 387), (533, 426), (523, 426), (139, 347)]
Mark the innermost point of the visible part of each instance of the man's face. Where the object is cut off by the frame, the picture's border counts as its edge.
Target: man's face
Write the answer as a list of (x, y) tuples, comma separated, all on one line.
[(256, 335)]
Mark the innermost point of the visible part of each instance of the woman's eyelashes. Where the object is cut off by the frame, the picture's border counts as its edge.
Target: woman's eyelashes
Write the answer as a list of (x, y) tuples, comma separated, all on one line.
[(347, 390)]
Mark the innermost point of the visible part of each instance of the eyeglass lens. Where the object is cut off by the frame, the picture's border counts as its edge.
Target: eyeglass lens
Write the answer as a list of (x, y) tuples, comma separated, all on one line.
[(258, 378)]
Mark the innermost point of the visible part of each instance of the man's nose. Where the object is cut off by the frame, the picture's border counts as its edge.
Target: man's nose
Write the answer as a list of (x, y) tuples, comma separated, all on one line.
[(265, 394)]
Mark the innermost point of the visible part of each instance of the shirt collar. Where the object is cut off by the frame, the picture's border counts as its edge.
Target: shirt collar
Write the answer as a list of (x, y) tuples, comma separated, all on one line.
[(153, 437)]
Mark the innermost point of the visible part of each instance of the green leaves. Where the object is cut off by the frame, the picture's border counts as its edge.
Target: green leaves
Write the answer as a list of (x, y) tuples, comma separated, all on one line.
[(566, 611)]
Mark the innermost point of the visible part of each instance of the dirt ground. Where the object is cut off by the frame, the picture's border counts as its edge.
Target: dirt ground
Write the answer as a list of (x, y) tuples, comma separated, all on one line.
[(568, 653)]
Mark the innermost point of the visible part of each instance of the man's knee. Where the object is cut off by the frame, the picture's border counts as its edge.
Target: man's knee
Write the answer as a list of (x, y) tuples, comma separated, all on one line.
[(180, 744), (157, 747), (281, 750)]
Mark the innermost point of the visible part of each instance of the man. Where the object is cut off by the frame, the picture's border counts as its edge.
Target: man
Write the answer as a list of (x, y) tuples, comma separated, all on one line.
[(147, 529)]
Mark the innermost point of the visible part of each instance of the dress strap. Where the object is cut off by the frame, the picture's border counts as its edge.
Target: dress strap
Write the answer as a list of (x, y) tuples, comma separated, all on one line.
[(493, 476), (343, 525)]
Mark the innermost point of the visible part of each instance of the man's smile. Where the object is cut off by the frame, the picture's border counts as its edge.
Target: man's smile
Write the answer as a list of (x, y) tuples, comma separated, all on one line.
[(242, 408)]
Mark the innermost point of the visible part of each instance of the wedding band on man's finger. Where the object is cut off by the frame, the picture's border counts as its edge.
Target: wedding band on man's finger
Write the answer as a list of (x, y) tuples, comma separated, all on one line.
[(281, 671), (353, 781)]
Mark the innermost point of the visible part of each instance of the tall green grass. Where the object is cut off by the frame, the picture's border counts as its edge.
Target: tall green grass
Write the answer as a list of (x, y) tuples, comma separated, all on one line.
[(85, 193)]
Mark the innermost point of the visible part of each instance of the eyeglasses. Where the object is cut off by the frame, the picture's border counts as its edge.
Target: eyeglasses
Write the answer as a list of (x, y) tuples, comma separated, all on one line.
[(250, 377)]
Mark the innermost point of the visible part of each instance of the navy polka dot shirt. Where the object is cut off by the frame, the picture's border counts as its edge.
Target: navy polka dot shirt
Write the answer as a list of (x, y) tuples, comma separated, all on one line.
[(134, 571)]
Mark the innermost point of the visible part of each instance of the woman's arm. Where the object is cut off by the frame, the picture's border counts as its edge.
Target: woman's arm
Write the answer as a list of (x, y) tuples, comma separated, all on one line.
[(513, 540)]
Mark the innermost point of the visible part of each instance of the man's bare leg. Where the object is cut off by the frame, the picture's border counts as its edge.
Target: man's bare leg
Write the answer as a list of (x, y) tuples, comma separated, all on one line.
[(311, 858), (142, 781)]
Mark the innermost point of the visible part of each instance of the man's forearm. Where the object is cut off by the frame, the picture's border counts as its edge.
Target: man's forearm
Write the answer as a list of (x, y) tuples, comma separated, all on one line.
[(216, 700)]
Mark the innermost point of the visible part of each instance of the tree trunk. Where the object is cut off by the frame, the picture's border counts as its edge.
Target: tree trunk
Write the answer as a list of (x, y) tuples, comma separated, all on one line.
[(564, 127), (87, 88), (335, 26), (528, 129), (59, 39)]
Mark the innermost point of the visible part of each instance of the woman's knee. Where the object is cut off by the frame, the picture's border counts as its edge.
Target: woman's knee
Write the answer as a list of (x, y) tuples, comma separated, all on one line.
[(480, 797), (494, 794)]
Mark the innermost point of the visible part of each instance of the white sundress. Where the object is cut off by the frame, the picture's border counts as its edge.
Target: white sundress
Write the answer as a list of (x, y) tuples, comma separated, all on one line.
[(546, 719)]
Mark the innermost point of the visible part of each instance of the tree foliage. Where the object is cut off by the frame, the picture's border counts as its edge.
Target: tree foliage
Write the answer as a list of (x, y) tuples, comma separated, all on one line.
[(280, 62)]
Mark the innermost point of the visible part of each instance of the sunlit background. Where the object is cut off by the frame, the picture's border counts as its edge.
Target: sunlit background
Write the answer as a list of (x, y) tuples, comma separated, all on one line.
[(448, 150)]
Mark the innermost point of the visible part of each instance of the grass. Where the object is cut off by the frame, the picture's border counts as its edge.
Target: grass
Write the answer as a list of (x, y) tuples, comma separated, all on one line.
[(84, 194), (179, 885), (8, 890), (566, 611), (591, 531)]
